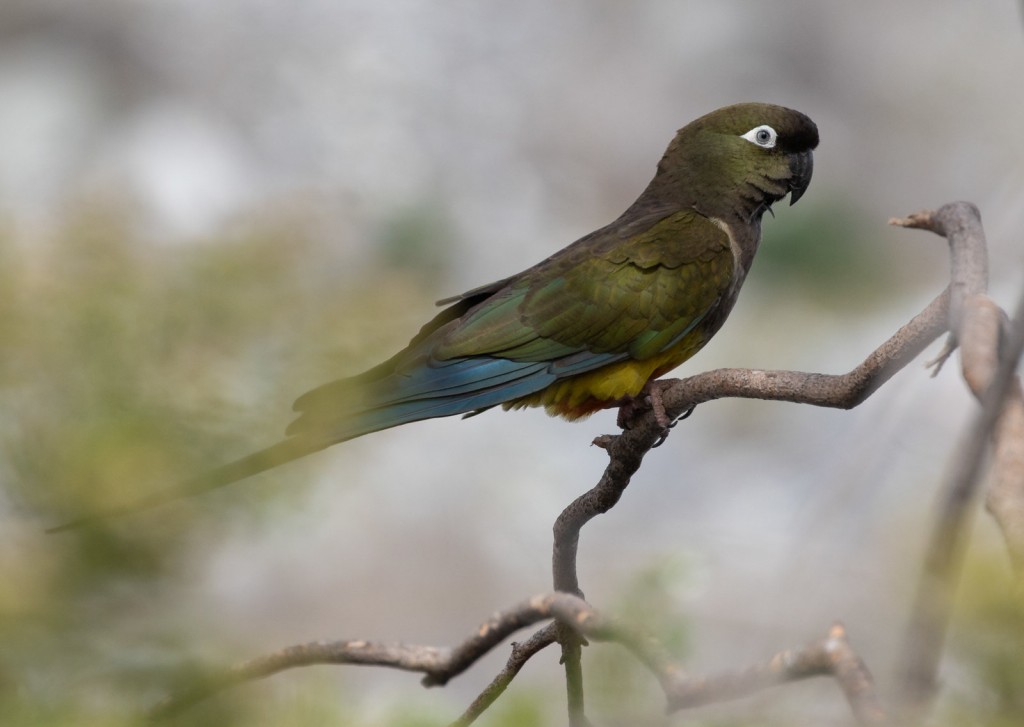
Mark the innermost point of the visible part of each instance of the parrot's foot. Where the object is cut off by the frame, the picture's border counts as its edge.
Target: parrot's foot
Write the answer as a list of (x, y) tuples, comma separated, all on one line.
[(671, 426), (650, 397)]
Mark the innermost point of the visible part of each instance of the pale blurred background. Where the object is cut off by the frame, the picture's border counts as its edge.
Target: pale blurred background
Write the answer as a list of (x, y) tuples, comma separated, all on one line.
[(208, 208)]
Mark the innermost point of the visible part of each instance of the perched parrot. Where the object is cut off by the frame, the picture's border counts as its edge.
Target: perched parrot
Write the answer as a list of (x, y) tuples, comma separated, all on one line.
[(589, 327)]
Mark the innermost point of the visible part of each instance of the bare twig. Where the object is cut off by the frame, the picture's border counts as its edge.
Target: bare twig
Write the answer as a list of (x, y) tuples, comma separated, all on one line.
[(521, 653), (572, 663), (829, 656), (627, 450), (976, 322), (438, 664), (1005, 497)]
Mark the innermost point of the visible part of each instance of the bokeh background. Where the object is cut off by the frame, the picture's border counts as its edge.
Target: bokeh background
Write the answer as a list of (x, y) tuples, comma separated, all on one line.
[(208, 208)]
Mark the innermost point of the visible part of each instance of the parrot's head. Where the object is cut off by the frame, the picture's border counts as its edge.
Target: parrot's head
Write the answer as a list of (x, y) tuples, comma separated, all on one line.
[(739, 160)]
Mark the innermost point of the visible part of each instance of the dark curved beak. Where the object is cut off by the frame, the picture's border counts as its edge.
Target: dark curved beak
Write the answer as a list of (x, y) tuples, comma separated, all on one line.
[(800, 166)]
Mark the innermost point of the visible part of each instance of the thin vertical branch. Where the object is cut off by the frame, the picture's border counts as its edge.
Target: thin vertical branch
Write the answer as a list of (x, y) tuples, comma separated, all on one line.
[(522, 652), (988, 365), (933, 602), (572, 661)]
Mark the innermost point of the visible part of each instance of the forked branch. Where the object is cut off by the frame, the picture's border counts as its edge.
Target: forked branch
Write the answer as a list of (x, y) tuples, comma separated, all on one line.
[(830, 656), (990, 352)]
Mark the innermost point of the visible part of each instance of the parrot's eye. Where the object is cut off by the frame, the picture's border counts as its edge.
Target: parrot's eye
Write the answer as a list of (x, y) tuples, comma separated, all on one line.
[(764, 136)]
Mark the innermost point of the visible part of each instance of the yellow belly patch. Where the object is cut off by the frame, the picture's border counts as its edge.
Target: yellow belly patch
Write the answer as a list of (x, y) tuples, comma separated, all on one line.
[(582, 395)]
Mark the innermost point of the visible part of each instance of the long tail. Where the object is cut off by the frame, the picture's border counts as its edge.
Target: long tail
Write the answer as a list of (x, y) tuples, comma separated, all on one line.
[(265, 459), (380, 399)]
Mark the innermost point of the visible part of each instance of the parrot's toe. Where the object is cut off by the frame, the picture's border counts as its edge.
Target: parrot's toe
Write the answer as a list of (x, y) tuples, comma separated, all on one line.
[(651, 398)]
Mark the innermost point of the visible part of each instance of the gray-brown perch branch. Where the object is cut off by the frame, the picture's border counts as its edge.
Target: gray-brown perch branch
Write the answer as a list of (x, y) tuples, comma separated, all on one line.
[(438, 664), (989, 357), (831, 656), (844, 391)]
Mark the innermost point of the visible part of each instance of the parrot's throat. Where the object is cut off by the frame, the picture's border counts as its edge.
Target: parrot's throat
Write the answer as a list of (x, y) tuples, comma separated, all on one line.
[(744, 241), (757, 196)]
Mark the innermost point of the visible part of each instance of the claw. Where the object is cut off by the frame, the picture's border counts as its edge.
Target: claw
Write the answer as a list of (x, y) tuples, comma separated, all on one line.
[(651, 396), (672, 425)]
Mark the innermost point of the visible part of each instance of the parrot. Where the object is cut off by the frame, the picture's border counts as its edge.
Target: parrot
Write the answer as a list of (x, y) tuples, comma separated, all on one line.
[(592, 326)]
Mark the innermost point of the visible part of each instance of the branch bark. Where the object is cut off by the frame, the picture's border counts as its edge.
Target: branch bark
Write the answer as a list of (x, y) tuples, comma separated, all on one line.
[(521, 653), (830, 656), (438, 664), (988, 363), (627, 450)]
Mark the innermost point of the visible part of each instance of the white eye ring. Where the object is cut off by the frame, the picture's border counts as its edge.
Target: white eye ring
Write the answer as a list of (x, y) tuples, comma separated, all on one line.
[(763, 135)]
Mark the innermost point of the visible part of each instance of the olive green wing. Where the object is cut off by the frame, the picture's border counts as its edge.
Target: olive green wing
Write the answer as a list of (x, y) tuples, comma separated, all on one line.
[(604, 295)]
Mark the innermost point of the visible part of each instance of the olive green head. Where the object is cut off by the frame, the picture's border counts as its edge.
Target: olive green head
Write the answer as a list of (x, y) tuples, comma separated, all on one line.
[(739, 160)]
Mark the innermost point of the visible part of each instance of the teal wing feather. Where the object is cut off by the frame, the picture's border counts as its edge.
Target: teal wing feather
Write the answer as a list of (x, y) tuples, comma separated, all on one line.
[(606, 295)]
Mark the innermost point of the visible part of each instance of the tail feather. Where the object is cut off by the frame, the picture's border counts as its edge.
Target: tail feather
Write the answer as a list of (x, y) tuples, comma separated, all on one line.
[(392, 415), (459, 386), (464, 388), (277, 454), (350, 408)]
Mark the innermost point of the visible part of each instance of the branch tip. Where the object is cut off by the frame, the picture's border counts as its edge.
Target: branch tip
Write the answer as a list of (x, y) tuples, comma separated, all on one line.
[(921, 220), (949, 347)]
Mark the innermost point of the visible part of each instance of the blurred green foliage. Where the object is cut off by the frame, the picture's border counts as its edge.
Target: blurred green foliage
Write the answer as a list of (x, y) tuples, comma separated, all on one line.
[(413, 239), (619, 684), (986, 683), (837, 257), (128, 365)]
